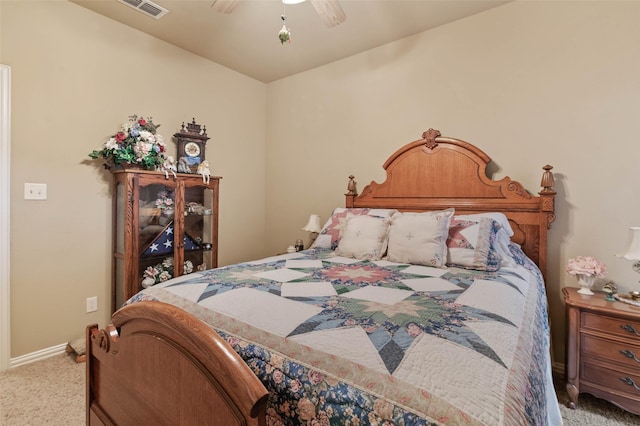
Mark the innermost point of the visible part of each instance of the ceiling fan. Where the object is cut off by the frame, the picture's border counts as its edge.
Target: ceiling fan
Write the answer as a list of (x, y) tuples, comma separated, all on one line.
[(329, 10)]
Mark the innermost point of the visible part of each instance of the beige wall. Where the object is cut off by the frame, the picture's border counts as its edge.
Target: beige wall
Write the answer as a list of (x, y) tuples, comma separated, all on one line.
[(531, 83), (76, 77)]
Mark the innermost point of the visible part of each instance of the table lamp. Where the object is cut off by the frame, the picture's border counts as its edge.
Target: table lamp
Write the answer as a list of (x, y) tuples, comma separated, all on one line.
[(633, 251), (313, 226)]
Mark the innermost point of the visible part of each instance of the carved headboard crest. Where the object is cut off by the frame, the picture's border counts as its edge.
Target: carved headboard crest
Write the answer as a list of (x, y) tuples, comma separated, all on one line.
[(430, 136)]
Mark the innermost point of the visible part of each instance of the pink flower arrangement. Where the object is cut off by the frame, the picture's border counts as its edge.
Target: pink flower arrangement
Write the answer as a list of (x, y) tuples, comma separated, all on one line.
[(586, 265)]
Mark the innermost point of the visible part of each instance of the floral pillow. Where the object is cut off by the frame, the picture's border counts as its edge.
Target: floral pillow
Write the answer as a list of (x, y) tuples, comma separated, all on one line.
[(473, 244), (329, 236), (363, 237), (497, 216), (503, 236), (419, 238)]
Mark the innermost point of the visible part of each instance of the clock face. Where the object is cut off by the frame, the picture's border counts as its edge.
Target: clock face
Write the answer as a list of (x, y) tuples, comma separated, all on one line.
[(192, 149)]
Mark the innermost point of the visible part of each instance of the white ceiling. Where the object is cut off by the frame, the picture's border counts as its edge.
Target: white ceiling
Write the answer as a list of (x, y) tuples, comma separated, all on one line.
[(246, 40)]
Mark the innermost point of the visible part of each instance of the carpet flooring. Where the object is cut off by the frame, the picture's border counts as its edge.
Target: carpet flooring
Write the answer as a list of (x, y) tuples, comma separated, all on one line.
[(51, 392), (47, 392)]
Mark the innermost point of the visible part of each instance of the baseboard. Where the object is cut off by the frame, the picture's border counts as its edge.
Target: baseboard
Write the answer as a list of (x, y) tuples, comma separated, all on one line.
[(38, 355)]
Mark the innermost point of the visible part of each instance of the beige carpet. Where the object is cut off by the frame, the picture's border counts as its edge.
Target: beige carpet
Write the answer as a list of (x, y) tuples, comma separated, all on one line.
[(592, 410), (48, 392), (51, 392)]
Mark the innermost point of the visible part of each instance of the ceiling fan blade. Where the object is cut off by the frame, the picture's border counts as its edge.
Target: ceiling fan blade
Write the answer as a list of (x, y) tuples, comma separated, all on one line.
[(224, 6), (330, 11)]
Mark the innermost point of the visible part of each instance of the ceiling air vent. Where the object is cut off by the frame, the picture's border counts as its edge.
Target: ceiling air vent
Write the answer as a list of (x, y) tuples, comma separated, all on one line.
[(146, 7)]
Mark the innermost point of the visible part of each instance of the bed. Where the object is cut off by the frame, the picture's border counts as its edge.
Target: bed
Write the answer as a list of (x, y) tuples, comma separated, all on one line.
[(422, 301)]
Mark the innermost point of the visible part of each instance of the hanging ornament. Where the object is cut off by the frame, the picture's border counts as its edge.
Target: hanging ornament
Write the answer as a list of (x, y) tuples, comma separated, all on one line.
[(284, 35)]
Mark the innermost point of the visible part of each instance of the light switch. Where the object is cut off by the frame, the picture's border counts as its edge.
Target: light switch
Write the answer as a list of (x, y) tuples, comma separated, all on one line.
[(35, 191)]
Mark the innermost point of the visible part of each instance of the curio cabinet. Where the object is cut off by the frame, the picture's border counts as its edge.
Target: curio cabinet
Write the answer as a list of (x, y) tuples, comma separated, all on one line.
[(163, 228)]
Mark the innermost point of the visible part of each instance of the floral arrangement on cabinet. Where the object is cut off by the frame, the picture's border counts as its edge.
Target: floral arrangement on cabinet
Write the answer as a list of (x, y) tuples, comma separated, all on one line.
[(164, 201), (136, 143), (164, 206), (586, 269)]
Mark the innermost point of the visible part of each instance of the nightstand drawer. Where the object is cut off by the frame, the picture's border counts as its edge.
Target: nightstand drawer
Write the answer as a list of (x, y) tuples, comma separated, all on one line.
[(612, 379), (622, 353), (609, 325)]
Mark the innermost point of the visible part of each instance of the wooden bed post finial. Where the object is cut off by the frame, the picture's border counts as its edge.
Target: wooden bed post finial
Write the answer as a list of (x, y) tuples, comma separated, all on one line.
[(547, 181), (351, 186), (547, 195), (430, 136)]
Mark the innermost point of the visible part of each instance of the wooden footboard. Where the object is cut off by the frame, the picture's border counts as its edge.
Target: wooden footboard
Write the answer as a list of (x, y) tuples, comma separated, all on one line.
[(156, 364)]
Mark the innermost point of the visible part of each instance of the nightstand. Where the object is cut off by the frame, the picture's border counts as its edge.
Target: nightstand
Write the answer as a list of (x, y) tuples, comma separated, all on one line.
[(603, 349)]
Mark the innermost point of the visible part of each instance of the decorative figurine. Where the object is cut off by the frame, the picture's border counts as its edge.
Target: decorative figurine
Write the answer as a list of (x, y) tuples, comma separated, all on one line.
[(197, 208), (169, 166), (203, 169), (610, 288), (183, 165)]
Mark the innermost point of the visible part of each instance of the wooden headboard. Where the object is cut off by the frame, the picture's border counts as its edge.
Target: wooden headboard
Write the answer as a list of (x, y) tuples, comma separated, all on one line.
[(438, 172)]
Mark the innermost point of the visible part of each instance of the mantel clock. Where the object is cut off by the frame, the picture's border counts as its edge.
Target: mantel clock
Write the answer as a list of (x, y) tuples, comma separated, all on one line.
[(192, 140)]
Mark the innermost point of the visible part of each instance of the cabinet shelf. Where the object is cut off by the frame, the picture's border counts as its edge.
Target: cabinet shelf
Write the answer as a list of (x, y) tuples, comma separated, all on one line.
[(164, 256)]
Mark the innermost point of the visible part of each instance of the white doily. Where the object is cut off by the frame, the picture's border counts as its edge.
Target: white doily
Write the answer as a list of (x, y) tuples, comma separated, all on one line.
[(626, 298)]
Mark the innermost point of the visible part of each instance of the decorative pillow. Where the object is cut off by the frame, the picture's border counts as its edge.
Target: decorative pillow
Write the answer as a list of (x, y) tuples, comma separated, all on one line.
[(503, 237), (363, 237), (419, 238), (497, 216), (472, 244), (329, 236)]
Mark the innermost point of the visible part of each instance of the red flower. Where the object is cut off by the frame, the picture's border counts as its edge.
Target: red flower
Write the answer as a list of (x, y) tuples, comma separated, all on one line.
[(120, 136), (142, 122)]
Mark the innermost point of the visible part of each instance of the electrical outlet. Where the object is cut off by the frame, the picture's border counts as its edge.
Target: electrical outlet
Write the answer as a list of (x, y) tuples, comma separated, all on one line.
[(35, 191), (92, 304)]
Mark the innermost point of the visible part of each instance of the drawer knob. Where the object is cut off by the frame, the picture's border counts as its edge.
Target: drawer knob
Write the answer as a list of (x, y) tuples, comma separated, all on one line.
[(630, 382), (630, 354), (630, 329)]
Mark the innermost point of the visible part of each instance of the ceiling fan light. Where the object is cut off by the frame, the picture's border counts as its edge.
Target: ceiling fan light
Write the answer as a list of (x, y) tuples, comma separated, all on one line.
[(292, 1)]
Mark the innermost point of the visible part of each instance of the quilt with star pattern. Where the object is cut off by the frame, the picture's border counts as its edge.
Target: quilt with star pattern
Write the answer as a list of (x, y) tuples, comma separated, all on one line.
[(337, 340)]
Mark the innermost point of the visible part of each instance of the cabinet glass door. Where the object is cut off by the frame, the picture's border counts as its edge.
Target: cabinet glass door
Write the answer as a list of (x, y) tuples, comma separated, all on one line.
[(198, 229), (157, 229)]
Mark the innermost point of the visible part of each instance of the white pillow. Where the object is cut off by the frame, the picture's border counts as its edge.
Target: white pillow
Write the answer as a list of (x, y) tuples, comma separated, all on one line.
[(330, 234), (419, 238), (363, 237)]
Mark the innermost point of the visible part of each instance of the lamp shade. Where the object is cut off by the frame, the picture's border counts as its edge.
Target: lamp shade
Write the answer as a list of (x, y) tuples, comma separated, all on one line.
[(633, 252), (314, 224)]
